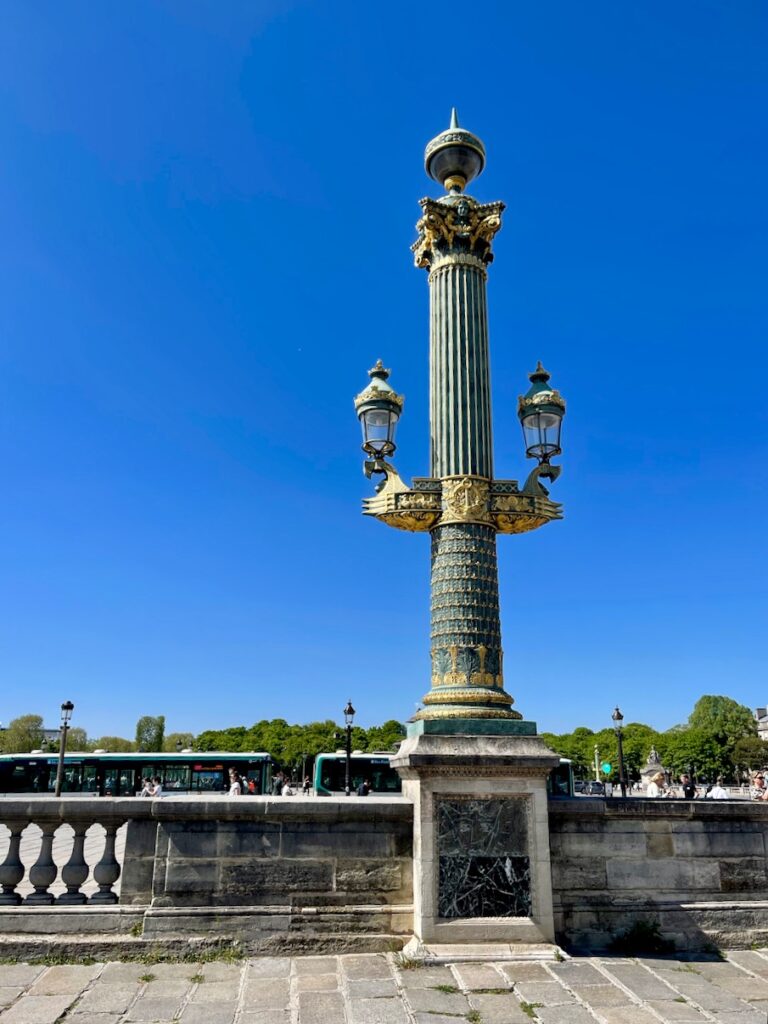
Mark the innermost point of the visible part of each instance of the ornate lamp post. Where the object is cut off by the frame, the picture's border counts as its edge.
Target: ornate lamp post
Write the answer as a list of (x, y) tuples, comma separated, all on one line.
[(463, 506), (66, 714), (618, 718), (349, 716)]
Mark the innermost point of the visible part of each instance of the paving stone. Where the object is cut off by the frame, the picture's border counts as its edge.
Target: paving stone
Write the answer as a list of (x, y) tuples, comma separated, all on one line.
[(173, 971), (63, 979), (371, 988), (215, 992), (21, 975), (566, 1014), (751, 960), (710, 997), (271, 1017), (548, 993), (436, 1018), (372, 965), (640, 982), (750, 1017), (320, 1008), (316, 965), (424, 999), (37, 1009), (426, 977), (474, 976), (575, 973), (209, 1013), (93, 1018), (525, 972), (122, 975), (269, 967), (167, 988), (317, 982), (495, 1009), (750, 989), (222, 972), (266, 994), (626, 1015), (146, 1009), (671, 1010), (377, 1011), (8, 994), (603, 995), (107, 999)]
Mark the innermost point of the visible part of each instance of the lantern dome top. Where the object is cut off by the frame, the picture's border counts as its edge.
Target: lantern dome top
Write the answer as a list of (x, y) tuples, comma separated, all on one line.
[(540, 393), (379, 388), (455, 156)]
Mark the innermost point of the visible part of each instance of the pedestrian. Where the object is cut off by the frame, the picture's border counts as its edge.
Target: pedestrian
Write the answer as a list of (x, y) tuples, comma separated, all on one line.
[(758, 790), (717, 792), (146, 787), (157, 787), (252, 787), (364, 788), (307, 785), (235, 786), (688, 786), (656, 785), (277, 784)]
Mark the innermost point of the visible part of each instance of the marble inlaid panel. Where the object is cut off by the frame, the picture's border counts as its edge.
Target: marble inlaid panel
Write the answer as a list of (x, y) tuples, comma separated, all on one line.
[(484, 864)]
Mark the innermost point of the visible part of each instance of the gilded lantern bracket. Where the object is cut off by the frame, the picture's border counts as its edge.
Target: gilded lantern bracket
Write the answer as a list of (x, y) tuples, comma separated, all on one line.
[(463, 499)]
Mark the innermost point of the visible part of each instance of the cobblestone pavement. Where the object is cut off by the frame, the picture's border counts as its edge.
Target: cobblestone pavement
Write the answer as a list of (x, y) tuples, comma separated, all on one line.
[(374, 989)]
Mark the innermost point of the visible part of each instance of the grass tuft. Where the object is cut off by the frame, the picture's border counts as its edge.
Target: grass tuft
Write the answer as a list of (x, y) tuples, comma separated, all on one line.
[(530, 1009)]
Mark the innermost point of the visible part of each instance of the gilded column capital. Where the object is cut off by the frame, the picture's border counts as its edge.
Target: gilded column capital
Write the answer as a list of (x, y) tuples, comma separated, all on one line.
[(456, 228)]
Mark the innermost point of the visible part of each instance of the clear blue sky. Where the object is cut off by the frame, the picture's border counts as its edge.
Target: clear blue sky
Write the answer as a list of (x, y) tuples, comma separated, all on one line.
[(206, 215)]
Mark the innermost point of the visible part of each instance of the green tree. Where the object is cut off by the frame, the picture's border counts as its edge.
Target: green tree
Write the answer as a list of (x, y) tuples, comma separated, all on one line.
[(24, 733), (150, 732), (696, 750), (724, 718), (386, 736), (77, 738), (749, 753), (114, 744), (185, 738)]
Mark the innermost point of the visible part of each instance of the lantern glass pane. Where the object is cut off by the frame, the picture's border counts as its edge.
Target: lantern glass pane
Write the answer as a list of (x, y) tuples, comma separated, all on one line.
[(379, 429), (542, 433)]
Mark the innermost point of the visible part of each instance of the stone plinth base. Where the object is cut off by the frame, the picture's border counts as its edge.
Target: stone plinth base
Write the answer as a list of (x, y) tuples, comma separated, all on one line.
[(481, 834), (467, 953)]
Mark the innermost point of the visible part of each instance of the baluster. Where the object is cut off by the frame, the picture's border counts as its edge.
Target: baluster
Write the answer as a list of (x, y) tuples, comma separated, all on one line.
[(75, 871), (107, 871), (43, 872), (12, 870)]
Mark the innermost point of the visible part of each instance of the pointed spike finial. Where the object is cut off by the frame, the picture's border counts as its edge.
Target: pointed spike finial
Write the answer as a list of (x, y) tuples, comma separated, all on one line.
[(454, 118)]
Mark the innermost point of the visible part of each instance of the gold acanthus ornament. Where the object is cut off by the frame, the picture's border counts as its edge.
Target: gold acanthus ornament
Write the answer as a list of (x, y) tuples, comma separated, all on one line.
[(467, 499), (446, 228)]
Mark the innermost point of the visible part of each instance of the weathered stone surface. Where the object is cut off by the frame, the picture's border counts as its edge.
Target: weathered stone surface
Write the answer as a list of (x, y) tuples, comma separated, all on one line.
[(243, 878), (474, 976), (107, 999), (377, 1011), (215, 992), (579, 873), (8, 994), (60, 980), (316, 965), (371, 988), (672, 1011), (426, 977), (665, 875), (524, 972), (497, 1009), (24, 974), (432, 999), (266, 993), (209, 1013), (37, 1009), (601, 995), (154, 1009), (369, 966), (267, 1017), (317, 983), (746, 875), (623, 1015), (320, 1007), (718, 844), (549, 993), (369, 876), (568, 1014), (574, 973), (640, 982)]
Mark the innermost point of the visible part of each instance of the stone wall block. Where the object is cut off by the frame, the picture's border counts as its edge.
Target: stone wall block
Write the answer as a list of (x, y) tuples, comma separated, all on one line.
[(579, 873), (664, 875), (598, 844), (327, 842), (745, 875), (389, 878), (248, 839), (241, 879), (659, 844), (191, 876), (718, 844)]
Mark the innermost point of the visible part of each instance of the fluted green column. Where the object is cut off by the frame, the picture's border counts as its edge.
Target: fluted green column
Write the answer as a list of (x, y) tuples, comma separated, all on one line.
[(467, 671)]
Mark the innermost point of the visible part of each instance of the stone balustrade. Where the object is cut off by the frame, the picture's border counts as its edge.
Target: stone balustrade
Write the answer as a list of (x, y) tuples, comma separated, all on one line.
[(32, 873)]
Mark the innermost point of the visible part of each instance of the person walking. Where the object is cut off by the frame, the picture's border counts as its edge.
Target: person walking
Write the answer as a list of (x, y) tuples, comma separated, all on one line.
[(688, 786), (656, 786), (235, 785), (307, 785), (718, 792)]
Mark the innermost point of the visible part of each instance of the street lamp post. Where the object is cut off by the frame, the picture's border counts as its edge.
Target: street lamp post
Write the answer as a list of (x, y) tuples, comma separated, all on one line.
[(349, 715), (618, 718), (66, 714), (597, 763), (461, 504)]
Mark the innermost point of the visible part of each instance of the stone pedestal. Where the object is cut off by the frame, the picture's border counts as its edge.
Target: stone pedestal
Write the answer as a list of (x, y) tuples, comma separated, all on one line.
[(481, 863)]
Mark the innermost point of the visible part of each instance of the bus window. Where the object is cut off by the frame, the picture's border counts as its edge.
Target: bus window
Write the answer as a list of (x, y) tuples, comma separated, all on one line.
[(177, 779), (206, 780)]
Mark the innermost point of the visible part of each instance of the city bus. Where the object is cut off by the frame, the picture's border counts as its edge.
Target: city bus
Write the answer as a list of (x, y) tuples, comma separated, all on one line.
[(104, 774), (330, 772), (560, 779)]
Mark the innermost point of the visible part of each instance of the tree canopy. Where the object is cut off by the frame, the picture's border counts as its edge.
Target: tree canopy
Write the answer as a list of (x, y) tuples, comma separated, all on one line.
[(150, 732), (23, 734)]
